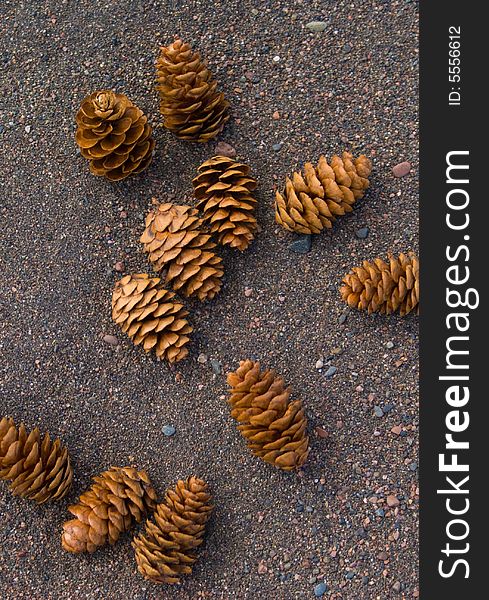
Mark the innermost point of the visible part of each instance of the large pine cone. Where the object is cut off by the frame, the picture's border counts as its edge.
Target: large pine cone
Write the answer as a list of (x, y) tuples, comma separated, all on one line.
[(150, 316), (114, 135), (384, 287), (117, 498), (192, 108), (174, 241), (167, 548), (224, 189), (37, 468), (313, 200), (273, 426)]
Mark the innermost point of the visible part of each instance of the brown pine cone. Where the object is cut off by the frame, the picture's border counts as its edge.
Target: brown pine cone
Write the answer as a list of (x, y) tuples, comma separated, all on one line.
[(273, 426), (174, 240), (224, 189), (384, 287), (37, 468), (313, 200), (192, 107), (167, 549), (150, 316), (117, 498), (114, 135)]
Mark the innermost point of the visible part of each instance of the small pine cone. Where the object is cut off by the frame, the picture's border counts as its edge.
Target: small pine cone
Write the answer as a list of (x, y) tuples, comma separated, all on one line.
[(114, 135), (192, 107), (273, 426), (116, 499), (38, 469), (384, 287), (313, 200), (174, 240), (167, 548), (150, 316), (224, 189)]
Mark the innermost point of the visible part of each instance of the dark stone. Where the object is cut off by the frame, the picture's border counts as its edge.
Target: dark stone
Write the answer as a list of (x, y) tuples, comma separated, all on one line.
[(302, 245), (362, 233)]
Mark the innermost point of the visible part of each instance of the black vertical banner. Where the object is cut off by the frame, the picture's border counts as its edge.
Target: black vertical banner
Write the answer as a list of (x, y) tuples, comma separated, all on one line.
[(454, 325)]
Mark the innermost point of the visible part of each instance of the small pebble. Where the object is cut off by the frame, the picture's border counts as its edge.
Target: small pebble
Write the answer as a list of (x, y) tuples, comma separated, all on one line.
[(276, 59), (380, 512), (276, 115), (119, 266), (277, 147), (362, 233), (248, 292), (331, 371), (319, 364), (390, 345), (202, 359), (342, 318), (320, 589), (413, 466), (302, 245), (350, 575), (378, 412), (401, 169), (111, 340), (316, 25), (216, 366), (347, 48), (392, 501), (387, 408), (397, 586), (168, 430), (27, 128), (225, 149)]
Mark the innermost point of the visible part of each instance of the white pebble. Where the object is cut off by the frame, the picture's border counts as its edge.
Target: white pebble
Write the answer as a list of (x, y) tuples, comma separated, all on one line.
[(319, 364), (276, 59)]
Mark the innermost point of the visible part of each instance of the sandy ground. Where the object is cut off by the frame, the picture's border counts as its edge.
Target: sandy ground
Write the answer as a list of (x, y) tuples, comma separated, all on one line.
[(274, 536)]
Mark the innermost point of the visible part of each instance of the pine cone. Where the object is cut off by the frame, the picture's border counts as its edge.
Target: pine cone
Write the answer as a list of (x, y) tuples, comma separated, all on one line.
[(384, 287), (313, 201), (38, 469), (224, 189), (192, 108), (114, 135), (117, 498), (273, 426), (150, 316), (167, 548), (174, 240)]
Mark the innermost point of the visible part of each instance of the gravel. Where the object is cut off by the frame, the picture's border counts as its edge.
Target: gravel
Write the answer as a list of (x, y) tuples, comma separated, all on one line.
[(63, 230)]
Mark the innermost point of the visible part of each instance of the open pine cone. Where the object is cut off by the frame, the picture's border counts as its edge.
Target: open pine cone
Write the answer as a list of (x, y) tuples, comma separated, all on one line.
[(117, 498), (274, 427), (167, 549), (312, 201), (114, 135), (150, 316), (384, 287), (37, 468), (224, 189), (192, 107), (174, 240)]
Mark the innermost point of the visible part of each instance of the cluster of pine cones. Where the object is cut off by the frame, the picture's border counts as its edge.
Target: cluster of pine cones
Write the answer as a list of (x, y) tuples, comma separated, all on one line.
[(181, 242), (39, 469)]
